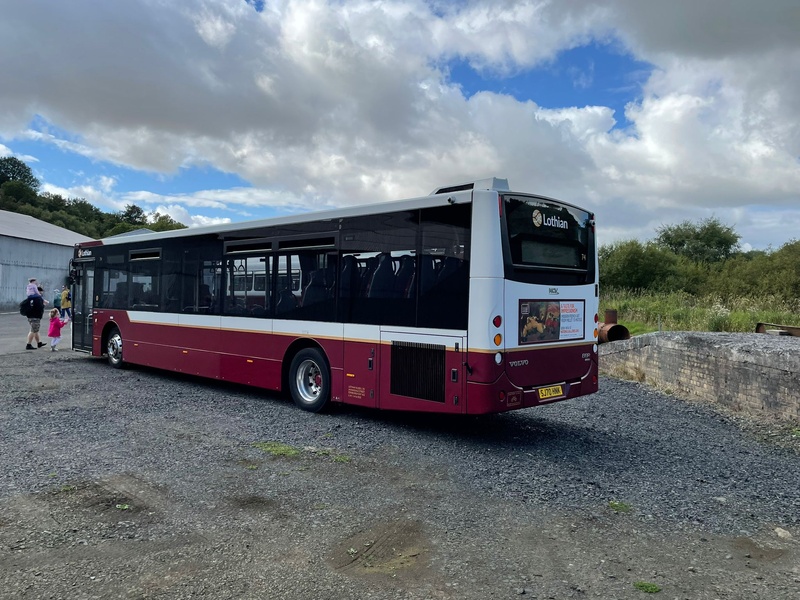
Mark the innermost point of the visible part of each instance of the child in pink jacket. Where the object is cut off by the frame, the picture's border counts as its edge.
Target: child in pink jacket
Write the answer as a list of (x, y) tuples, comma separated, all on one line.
[(54, 333)]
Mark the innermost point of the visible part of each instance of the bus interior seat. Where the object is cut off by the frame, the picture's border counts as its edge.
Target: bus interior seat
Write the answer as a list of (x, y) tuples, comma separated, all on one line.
[(258, 311), (315, 290), (382, 283), (350, 276), (404, 275), (121, 295), (427, 272), (204, 295), (366, 275), (287, 301), (450, 267), (236, 310)]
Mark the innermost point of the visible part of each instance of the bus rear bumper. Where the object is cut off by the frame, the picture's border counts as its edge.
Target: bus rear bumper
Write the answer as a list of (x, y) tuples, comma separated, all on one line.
[(503, 396)]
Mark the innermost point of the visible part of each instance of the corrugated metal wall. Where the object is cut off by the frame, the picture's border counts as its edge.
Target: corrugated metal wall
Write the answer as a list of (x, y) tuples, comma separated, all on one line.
[(21, 259)]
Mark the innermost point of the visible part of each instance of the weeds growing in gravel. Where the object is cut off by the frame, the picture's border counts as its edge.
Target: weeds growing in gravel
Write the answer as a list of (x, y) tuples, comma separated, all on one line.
[(647, 587), (277, 448), (618, 506)]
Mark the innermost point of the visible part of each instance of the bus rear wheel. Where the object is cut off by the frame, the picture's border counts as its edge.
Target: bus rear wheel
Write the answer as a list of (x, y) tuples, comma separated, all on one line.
[(114, 348), (310, 380)]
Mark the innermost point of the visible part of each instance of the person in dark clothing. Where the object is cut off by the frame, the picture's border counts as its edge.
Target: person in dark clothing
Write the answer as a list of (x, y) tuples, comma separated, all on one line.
[(35, 313)]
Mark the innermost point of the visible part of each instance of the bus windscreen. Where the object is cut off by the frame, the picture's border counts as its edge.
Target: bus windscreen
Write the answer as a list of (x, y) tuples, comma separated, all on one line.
[(543, 233)]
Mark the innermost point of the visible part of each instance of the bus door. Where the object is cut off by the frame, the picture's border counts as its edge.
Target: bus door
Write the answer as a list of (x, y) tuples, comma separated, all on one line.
[(82, 289), (422, 372)]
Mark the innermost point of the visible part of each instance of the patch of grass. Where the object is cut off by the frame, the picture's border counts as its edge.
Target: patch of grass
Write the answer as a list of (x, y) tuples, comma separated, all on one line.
[(277, 448), (643, 311), (122, 506), (68, 488), (620, 507), (251, 467), (341, 458), (646, 587), (638, 328)]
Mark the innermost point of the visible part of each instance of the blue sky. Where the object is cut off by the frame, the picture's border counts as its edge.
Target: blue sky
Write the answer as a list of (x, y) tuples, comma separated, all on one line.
[(212, 111), (592, 75)]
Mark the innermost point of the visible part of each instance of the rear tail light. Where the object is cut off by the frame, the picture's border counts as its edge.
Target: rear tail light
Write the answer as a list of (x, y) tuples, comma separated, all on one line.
[(497, 321), (498, 339)]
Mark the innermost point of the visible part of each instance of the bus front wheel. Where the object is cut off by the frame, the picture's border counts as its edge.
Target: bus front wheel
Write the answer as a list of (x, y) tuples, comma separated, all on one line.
[(310, 380), (114, 348)]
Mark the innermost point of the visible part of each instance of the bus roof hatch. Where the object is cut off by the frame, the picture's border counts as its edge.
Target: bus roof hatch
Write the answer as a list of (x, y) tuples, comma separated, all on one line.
[(491, 183)]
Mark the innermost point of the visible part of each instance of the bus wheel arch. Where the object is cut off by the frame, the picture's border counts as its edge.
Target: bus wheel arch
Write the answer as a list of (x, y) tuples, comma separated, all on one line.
[(307, 376), (112, 344)]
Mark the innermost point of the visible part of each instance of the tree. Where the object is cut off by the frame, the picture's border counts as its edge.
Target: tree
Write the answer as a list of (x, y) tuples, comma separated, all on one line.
[(134, 215), (120, 227), (707, 242), (159, 222), (18, 193), (636, 266), (13, 169)]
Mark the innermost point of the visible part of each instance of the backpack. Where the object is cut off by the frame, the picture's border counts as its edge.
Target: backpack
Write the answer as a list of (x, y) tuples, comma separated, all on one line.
[(24, 306), (69, 296)]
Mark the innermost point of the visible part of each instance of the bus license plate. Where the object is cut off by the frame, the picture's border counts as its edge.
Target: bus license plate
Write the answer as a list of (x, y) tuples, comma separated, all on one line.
[(554, 391)]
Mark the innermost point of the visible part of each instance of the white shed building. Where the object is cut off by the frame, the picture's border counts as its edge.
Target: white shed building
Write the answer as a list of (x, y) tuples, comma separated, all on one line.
[(32, 248)]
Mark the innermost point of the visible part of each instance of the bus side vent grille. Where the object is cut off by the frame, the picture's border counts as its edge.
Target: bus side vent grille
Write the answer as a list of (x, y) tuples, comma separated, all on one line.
[(418, 370)]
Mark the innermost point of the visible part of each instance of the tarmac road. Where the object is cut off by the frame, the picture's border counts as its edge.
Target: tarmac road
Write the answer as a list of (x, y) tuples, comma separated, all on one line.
[(14, 329)]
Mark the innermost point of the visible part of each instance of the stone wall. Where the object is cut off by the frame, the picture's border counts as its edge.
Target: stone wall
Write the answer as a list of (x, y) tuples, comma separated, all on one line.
[(752, 373)]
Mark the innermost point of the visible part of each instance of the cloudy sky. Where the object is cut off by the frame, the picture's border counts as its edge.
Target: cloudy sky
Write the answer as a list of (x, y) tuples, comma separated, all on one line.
[(648, 113)]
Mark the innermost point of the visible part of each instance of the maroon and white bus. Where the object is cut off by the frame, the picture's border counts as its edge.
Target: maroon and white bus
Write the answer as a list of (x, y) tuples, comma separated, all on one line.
[(474, 299)]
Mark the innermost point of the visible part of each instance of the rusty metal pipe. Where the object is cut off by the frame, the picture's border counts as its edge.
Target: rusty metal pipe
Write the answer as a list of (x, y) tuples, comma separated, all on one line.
[(612, 332)]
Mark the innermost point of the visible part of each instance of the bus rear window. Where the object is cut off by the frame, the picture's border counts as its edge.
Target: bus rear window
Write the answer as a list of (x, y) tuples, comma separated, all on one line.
[(545, 234)]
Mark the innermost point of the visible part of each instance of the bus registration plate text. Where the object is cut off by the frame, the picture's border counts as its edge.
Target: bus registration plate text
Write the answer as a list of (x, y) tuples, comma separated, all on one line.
[(554, 391)]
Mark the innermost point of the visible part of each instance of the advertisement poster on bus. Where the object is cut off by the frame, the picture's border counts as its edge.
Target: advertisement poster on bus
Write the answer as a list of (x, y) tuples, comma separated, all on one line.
[(550, 320)]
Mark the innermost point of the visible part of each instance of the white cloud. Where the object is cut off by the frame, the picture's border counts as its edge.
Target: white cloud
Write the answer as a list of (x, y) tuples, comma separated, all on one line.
[(319, 103)]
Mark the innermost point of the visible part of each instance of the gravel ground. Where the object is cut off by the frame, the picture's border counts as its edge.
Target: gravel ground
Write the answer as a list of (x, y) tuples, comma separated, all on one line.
[(143, 484)]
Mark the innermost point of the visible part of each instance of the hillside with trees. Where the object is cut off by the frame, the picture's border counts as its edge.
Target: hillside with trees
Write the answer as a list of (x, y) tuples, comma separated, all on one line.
[(19, 193)]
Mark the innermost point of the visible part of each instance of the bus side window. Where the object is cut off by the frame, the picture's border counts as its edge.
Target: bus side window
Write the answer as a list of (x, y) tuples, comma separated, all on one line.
[(444, 277)]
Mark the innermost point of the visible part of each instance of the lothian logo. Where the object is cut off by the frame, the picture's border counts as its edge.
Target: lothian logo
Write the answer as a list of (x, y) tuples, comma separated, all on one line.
[(539, 219)]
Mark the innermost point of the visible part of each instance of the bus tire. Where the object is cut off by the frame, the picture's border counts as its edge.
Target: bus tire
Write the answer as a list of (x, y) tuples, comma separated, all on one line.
[(310, 380), (114, 348)]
